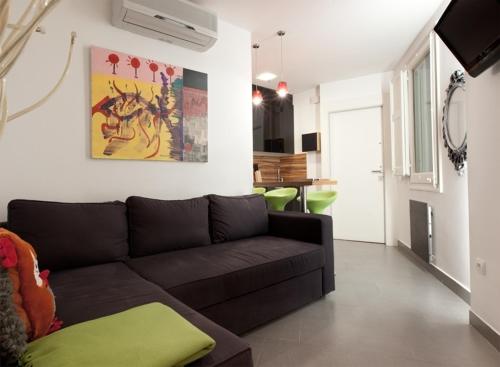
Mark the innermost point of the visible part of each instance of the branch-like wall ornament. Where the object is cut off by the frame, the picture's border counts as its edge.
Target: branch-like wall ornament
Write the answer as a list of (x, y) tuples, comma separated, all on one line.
[(457, 150), (13, 38)]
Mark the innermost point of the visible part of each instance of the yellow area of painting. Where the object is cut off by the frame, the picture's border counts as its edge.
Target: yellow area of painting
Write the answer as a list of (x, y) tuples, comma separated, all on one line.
[(137, 139)]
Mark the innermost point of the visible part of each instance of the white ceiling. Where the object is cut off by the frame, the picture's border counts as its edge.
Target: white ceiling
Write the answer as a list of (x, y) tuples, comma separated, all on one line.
[(327, 39)]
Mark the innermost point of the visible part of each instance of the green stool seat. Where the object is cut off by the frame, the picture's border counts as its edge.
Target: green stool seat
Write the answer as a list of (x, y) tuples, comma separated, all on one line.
[(277, 199), (318, 201), (259, 190)]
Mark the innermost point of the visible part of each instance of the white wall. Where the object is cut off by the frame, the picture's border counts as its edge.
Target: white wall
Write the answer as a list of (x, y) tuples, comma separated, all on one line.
[(483, 115), (46, 154), (450, 207)]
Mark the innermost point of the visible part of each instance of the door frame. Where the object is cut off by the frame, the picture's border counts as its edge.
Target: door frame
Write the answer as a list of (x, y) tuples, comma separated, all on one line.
[(351, 105)]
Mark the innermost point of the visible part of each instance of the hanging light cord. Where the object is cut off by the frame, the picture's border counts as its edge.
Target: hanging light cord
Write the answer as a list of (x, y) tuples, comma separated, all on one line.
[(281, 34), (256, 58), (281, 40)]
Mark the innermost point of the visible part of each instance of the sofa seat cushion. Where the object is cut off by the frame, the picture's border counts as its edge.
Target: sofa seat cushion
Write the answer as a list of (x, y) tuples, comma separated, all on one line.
[(204, 276), (91, 292), (88, 293)]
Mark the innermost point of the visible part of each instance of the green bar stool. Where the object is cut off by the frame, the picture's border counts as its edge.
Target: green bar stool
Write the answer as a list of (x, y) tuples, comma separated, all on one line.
[(277, 199), (259, 190), (318, 201)]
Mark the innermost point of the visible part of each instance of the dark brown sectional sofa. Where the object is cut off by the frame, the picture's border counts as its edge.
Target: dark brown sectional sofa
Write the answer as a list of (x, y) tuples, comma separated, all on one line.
[(224, 263)]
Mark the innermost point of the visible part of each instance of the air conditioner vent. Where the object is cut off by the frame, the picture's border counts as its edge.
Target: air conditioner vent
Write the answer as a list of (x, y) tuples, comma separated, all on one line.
[(174, 21)]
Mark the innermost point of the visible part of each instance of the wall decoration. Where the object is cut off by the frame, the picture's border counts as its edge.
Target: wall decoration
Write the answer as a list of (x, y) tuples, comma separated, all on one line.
[(147, 110), (14, 38), (454, 123)]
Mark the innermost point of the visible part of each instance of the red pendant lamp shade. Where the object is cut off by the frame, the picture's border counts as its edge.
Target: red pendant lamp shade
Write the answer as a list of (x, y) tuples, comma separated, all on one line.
[(282, 89), (257, 97), (256, 94)]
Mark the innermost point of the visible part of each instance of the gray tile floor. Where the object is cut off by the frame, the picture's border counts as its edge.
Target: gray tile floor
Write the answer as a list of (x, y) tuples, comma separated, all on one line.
[(386, 312)]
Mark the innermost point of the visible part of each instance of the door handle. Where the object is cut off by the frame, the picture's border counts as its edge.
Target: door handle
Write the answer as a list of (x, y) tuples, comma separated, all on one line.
[(377, 171)]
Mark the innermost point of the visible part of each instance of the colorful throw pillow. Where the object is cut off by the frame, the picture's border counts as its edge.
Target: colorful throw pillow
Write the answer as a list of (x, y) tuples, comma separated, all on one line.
[(13, 337), (31, 298)]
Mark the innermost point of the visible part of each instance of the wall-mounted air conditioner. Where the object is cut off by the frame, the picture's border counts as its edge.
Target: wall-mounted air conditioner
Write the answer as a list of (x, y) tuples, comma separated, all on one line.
[(174, 21)]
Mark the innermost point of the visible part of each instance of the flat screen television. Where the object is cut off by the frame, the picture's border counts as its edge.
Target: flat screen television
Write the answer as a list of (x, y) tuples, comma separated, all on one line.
[(471, 30)]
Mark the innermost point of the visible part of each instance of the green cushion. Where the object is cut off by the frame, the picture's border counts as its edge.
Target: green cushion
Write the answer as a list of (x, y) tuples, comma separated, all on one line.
[(151, 335)]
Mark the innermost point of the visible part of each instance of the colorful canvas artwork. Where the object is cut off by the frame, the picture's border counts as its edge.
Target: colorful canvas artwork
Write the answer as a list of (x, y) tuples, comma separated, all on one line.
[(148, 110)]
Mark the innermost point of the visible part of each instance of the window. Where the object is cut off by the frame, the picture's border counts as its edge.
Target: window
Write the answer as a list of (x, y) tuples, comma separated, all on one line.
[(422, 113), (423, 119)]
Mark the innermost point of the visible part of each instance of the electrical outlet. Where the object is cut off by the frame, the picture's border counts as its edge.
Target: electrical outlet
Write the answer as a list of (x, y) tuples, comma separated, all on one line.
[(481, 266)]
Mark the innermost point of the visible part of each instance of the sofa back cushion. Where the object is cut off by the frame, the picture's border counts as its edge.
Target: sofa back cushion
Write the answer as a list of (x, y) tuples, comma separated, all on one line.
[(166, 225), (236, 217), (70, 235)]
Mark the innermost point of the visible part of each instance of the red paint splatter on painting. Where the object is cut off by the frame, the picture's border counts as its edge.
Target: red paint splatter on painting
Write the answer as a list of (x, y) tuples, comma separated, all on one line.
[(170, 72), (135, 63), (154, 68), (113, 59)]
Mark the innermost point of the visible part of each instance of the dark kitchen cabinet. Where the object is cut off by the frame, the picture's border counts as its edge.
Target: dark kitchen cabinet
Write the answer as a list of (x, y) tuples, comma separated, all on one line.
[(273, 123)]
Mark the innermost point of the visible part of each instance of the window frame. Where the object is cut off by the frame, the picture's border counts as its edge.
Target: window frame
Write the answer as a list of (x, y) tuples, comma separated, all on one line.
[(427, 181), (400, 154)]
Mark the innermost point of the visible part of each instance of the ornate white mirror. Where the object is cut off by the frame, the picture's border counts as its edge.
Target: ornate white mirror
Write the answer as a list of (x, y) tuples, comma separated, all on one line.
[(454, 121)]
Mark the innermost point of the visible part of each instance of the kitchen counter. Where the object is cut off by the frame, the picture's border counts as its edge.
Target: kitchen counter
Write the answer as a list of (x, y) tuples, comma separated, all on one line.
[(296, 183)]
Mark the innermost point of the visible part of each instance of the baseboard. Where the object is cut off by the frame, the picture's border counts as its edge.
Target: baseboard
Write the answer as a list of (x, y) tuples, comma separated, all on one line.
[(485, 330), (444, 278)]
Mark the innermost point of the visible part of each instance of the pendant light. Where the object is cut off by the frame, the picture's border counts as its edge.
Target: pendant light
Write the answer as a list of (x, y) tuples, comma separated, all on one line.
[(256, 94), (282, 88), (257, 97)]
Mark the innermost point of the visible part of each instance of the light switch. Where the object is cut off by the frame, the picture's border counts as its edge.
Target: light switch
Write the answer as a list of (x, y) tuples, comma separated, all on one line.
[(481, 266)]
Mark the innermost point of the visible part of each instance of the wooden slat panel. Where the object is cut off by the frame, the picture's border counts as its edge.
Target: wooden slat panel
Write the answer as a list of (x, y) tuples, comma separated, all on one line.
[(268, 166), (294, 167)]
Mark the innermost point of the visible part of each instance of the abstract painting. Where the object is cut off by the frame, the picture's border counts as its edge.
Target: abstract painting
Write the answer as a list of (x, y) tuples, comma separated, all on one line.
[(147, 110)]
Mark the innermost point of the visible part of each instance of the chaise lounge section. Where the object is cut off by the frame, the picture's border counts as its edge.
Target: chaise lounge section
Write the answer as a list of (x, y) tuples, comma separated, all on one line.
[(226, 264)]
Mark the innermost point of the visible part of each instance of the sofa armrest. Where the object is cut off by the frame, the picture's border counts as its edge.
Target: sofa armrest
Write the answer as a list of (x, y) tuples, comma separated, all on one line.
[(312, 228)]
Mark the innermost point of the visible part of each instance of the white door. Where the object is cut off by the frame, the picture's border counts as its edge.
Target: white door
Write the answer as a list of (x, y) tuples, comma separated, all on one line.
[(356, 162)]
